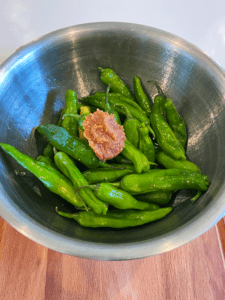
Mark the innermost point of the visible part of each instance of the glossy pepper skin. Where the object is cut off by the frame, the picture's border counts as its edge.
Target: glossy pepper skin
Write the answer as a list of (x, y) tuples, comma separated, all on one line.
[(109, 109), (49, 176), (167, 180), (106, 174), (98, 100), (146, 145), (48, 151), (108, 76), (169, 162), (166, 137), (158, 197), (118, 218), (140, 161), (118, 198), (46, 160), (176, 122), (130, 127), (141, 97), (68, 168), (71, 103), (75, 147)]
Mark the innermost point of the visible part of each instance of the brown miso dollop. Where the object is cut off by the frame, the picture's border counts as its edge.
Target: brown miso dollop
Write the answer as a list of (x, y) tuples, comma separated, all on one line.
[(104, 135)]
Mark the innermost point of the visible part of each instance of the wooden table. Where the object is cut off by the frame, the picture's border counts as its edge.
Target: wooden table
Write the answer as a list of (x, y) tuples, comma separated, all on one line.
[(31, 271)]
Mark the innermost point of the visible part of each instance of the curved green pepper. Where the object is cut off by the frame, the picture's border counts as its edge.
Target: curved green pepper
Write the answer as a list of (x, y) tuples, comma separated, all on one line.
[(49, 176), (117, 218), (107, 174), (141, 97), (167, 180), (166, 137), (176, 122), (71, 102), (118, 198), (68, 168), (159, 100), (169, 162), (139, 160), (108, 76)]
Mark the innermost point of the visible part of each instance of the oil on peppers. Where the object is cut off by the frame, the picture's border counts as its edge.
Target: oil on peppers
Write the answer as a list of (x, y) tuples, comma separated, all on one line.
[(68, 168), (71, 102), (141, 97), (52, 179), (117, 218), (108, 76), (118, 198), (176, 122)]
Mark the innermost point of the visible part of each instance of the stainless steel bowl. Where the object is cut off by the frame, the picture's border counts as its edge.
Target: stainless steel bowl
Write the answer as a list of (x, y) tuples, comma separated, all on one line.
[(33, 82)]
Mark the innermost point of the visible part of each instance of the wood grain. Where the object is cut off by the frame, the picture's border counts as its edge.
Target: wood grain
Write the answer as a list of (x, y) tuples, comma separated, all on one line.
[(30, 271)]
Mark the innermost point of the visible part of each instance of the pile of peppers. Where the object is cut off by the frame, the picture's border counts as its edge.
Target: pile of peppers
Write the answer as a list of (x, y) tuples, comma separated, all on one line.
[(136, 186)]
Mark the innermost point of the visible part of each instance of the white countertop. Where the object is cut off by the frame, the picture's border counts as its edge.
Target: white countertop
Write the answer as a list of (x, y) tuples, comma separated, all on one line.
[(199, 22)]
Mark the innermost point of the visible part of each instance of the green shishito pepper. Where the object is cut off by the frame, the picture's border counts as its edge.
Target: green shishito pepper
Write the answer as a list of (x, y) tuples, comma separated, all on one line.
[(170, 163), (146, 145), (117, 218), (166, 138), (176, 122), (130, 127), (141, 97), (118, 198), (98, 100), (108, 76), (158, 197), (71, 102), (159, 101), (68, 168), (77, 148), (49, 176), (106, 174), (166, 179), (139, 160)]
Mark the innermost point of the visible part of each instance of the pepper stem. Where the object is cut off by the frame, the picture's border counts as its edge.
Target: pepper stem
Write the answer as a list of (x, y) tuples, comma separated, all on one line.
[(196, 196), (67, 215), (160, 92)]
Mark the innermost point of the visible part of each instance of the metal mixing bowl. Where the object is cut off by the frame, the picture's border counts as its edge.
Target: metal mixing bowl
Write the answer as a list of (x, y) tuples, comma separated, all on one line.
[(33, 82)]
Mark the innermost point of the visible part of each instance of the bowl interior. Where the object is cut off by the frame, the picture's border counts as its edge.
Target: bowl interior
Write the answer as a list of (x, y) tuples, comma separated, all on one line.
[(33, 83)]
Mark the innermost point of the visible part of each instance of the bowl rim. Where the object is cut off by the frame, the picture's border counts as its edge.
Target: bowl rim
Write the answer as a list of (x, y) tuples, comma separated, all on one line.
[(35, 231)]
